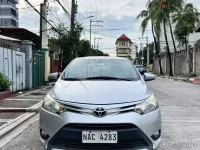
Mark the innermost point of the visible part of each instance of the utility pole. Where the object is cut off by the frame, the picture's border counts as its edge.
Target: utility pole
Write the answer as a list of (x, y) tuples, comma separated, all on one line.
[(73, 16), (147, 41), (141, 49), (43, 25), (73, 12), (95, 42), (91, 21), (41, 13), (148, 67)]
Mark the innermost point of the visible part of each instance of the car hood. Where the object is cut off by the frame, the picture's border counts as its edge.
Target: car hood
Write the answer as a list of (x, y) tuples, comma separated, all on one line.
[(100, 92)]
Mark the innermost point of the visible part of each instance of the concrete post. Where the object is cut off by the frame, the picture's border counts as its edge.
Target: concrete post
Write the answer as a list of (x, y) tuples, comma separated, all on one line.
[(188, 60), (165, 63), (26, 47), (194, 60), (174, 63)]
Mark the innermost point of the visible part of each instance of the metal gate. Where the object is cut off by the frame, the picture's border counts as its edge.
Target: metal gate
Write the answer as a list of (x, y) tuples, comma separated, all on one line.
[(12, 65), (38, 68)]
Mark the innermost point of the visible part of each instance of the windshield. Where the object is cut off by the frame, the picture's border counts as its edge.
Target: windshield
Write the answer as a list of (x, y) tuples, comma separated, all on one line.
[(101, 68)]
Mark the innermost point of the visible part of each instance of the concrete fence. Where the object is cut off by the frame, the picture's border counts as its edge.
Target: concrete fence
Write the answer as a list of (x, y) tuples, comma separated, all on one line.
[(184, 63)]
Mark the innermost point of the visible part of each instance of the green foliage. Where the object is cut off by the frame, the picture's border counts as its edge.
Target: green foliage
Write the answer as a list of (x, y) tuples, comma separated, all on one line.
[(98, 53), (185, 18), (151, 53), (84, 49), (72, 46), (5, 83)]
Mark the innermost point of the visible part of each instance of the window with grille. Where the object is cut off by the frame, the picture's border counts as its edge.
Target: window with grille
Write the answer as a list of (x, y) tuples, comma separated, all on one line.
[(13, 22)]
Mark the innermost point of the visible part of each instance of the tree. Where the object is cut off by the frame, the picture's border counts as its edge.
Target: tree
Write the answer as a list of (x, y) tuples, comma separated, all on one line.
[(160, 16), (151, 53), (72, 45), (185, 19), (148, 17), (171, 7), (84, 49)]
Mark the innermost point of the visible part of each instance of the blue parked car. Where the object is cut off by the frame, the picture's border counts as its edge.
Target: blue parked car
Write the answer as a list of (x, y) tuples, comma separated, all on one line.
[(141, 69)]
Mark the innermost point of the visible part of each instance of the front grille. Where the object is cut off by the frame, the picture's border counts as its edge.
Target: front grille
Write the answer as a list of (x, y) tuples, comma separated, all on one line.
[(100, 126), (119, 145), (129, 136)]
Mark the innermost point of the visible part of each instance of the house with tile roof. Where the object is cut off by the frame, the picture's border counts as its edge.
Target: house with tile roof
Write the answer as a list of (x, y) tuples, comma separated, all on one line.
[(125, 47)]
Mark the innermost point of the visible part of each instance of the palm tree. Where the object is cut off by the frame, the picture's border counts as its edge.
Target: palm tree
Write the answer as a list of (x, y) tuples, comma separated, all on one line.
[(160, 16), (172, 6), (185, 18), (145, 14)]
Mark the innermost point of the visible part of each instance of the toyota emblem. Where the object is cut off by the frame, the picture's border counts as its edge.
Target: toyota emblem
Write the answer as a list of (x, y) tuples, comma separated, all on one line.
[(99, 112)]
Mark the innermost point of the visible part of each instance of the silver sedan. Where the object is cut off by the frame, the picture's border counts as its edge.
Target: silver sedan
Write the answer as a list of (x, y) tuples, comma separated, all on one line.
[(100, 103)]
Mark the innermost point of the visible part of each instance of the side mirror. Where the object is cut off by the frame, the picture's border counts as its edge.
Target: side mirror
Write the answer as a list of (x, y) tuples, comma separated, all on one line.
[(149, 77), (53, 77)]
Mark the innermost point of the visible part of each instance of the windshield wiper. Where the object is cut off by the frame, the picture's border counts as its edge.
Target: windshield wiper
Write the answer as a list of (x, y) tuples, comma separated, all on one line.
[(71, 79), (107, 78)]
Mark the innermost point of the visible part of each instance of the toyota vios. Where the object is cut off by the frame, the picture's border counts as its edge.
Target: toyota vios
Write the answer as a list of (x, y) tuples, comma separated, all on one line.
[(101, 103)]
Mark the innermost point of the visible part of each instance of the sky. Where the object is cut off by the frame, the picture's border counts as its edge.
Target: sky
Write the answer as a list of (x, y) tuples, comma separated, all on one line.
[(118, 17)]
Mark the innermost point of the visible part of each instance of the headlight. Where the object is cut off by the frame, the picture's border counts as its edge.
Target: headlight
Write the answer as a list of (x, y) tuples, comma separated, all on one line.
[(148, 106), (51, 105)]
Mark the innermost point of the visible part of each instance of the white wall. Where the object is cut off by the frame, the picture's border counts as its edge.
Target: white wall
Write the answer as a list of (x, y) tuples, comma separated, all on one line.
[(12, 65), (134, 49)]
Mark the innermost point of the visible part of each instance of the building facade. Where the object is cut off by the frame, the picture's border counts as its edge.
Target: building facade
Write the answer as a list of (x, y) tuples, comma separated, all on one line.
[(134, 50), (9, 13), (124, 47)]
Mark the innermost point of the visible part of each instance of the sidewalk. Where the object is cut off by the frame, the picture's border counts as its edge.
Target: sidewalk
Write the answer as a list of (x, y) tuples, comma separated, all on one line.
[(19, 107), (194, 80)]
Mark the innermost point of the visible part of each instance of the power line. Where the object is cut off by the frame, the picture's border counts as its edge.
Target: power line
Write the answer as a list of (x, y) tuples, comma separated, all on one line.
[(67, 13), (114, 37), (66, 4), (34, 5), (43, 17), (119, 9)]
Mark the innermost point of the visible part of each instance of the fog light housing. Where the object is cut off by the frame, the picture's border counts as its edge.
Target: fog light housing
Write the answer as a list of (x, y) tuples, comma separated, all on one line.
[(156, 135), (44, 135)]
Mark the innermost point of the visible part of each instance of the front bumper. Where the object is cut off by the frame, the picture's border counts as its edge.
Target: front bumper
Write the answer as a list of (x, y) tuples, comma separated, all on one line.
[(134, 130)]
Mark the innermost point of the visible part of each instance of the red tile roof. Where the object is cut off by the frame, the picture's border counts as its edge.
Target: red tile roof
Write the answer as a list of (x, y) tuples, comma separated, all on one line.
[(123, 37)]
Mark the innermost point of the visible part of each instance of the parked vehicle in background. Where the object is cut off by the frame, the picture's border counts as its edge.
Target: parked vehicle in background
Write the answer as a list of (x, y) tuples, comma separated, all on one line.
[(141, 69)]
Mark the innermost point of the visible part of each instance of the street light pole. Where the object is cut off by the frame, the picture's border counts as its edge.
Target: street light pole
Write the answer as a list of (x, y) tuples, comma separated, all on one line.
[(142, 54), (91, 21), (90, 32), (95, 42), (148, 67)]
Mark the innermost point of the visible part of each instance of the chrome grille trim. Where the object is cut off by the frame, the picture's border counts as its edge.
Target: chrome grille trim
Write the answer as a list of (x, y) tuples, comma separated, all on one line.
[(111, 111)]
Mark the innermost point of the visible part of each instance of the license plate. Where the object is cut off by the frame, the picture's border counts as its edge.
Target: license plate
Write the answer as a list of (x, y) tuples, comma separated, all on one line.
[(99, 137)]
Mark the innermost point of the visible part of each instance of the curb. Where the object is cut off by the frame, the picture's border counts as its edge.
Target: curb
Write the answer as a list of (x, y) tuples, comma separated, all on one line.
[(189, 80), (16, 122), (4, 95)]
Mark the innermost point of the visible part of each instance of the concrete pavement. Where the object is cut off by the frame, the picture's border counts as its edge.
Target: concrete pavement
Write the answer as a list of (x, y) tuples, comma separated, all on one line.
[(180, 103), (11, 114)]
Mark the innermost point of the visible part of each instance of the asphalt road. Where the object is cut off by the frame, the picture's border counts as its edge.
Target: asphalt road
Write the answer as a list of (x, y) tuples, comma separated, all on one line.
[(180, 103)]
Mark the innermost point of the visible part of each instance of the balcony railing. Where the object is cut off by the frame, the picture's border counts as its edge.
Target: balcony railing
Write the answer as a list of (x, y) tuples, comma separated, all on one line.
[(123, 46)]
